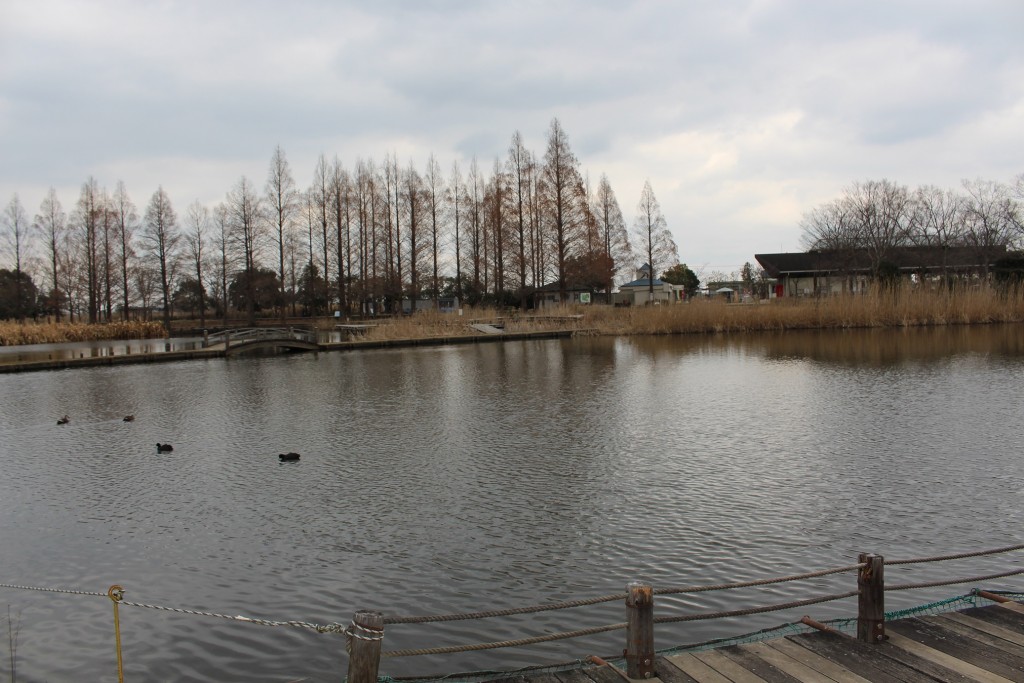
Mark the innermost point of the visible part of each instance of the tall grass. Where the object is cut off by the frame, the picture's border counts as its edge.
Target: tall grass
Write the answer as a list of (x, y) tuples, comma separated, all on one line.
[(903, 307), (900, 307), (14, 334)]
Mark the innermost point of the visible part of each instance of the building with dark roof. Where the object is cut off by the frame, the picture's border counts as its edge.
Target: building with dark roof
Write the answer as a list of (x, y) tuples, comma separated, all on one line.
[(817, 273)]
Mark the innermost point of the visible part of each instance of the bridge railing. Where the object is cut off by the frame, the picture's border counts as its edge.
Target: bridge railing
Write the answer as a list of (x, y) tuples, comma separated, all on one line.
[(250, 334)]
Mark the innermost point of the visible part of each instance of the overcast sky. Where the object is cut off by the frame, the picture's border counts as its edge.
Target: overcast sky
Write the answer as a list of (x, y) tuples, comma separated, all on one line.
[(743, 115)]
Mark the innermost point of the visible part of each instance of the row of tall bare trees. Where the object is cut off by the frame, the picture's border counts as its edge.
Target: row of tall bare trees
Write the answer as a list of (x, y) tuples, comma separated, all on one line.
[(879, 215), (356, 240)]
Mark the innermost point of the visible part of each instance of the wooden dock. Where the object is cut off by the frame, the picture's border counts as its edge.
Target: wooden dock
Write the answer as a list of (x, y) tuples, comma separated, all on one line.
[(984, 644)]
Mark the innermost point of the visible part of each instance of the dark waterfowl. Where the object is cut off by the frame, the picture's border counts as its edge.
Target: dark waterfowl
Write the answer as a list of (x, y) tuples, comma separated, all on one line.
[(64, 420), (288, 457), (164, 448), (129, 418)]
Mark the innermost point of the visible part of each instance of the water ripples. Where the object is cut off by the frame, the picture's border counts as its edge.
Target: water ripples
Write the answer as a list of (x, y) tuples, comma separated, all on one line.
[(468, 478)]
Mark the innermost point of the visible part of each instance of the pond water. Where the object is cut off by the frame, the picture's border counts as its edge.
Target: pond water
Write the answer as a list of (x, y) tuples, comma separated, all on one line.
[(464, 478), (92, 349)]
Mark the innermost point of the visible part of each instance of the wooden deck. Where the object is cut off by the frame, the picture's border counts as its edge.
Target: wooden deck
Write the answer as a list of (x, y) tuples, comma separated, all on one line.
[(983, 644)]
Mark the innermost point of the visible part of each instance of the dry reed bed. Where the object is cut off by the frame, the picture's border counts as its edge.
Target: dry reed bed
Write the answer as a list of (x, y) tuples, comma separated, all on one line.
[(883, 308), (16, 334), (901, 308)]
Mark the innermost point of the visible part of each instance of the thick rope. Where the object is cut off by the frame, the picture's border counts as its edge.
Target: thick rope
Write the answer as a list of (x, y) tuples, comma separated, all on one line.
[(51, 590), (319, 628), (612, 627), (755, 610), (338, 628), (951, 582), (613, 598), (506, 643), (505, 612), (758, 582), (958, 556)]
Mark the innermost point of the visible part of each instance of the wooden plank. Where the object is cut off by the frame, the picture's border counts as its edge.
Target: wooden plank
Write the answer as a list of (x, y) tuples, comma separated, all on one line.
[(544, 678), (733, 671), (836, 672), (697, 669), (602, 674), (865, 659), (992, 614), (1014, 606), (670, 673), (972, 652), (510, 679), (571, 676), (756, 665), (986, 627), (969, 671), (969, 633), (487, 329), (783, 662)]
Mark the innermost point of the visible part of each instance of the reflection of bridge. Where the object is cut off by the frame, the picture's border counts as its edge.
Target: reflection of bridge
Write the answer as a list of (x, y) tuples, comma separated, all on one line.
[(256, 338)]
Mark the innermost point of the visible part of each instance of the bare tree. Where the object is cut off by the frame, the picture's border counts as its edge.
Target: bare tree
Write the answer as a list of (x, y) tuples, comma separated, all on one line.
[(653, 237), (830, 226), (474, 220), (222, 243), (108, 233), (520, 167), (320, 194), (282, 204), (456, 188), (341, 218), (496, 219), (412, 203), (51, 223), (434, 196), (198, 220), (565, 200), (246, 230), (87, 221), (991, 215), (17, 238), (392, 247), (161, 239), (614, 237), (72, 282), (881, 212), (126, 222)]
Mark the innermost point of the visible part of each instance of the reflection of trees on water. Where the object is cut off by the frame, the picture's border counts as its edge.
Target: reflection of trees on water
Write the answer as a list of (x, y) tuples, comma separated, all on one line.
[(871, 347), (895, 346)]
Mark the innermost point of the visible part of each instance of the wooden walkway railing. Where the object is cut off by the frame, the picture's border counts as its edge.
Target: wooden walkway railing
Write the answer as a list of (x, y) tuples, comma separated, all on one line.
[(365, 633), (367, 630)]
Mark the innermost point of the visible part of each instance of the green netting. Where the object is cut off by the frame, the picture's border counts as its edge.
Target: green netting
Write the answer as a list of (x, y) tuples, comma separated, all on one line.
[(846, 625)]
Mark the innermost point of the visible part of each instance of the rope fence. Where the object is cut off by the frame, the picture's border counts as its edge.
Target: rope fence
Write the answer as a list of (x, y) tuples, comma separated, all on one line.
[(365, 633)]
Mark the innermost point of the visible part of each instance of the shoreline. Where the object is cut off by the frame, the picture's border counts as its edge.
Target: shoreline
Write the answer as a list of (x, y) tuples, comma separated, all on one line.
[(209, 353)]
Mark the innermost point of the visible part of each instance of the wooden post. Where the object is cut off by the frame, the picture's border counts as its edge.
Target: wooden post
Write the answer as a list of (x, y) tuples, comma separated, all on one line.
[(639, 630), (871, 601), (364, 640), (206, 338)]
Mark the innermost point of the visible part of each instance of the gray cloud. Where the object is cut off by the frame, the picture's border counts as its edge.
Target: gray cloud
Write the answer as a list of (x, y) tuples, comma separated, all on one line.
[(727, 106)]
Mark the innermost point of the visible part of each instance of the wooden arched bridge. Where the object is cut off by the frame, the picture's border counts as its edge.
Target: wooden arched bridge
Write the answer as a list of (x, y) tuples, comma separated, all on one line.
[(246, 339)]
